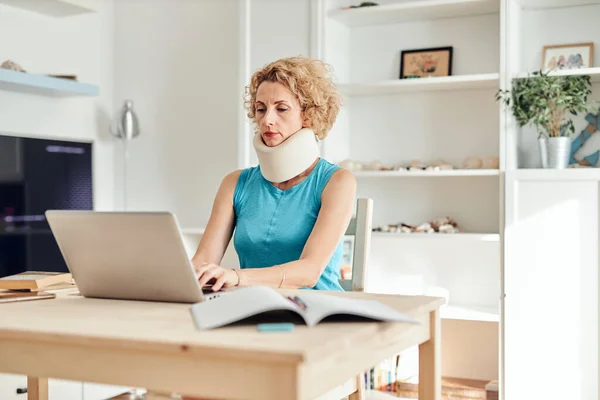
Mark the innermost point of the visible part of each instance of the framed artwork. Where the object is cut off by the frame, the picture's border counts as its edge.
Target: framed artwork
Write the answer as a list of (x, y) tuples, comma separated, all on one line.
[(419, 63), (568, 56)]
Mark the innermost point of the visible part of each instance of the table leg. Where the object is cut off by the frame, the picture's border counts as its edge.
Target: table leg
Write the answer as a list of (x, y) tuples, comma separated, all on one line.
[(37, 388), (430, 361), (359, 394)]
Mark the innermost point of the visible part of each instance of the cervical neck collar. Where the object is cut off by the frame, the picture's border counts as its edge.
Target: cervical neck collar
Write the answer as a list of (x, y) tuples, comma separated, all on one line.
[(288, 159)]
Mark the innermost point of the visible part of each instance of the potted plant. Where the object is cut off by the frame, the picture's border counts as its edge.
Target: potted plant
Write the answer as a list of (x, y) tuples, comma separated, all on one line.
[(548, 102)]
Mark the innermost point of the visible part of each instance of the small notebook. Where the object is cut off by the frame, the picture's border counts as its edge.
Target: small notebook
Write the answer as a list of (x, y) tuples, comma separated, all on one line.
[(260, 304)]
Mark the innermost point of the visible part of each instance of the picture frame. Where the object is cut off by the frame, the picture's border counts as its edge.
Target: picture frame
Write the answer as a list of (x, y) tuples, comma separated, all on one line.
[(347, 257), (568, 56), (427, 62)]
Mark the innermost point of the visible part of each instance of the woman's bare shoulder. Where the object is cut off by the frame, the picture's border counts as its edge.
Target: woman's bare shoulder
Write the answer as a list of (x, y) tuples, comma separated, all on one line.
[(342, 183), (233, 176)]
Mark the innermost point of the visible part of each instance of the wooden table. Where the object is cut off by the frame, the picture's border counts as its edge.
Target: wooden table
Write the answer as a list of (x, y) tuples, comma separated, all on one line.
[(156, 346)]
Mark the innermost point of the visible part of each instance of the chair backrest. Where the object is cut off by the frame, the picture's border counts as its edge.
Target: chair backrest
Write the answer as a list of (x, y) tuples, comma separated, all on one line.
[(360, 227)]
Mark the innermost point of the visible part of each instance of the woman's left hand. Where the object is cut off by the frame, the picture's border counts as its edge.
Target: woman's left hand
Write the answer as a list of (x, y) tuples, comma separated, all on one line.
[(223, 277)]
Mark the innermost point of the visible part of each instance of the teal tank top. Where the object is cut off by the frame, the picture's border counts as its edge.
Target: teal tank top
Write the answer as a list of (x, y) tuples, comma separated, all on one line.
[(273, 225)]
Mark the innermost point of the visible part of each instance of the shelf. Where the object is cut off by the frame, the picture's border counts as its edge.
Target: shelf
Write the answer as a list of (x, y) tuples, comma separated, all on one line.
[(543, 4), (593, 72), (427, 174), (413, 11), (455, 82), (468, 313), (40, 84), (372, 394), (54, 8), (474, 237), (569, 174)]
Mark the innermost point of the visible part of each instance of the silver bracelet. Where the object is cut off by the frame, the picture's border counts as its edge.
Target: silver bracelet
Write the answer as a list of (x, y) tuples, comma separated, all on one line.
[(238, 275)]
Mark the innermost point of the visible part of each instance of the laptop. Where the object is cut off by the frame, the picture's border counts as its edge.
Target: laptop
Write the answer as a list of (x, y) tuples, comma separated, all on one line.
[(126, 255)]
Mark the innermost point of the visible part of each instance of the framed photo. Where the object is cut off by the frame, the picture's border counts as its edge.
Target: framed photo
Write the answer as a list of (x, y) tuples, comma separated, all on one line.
[(419, 63), (568, 56), (347, 257)]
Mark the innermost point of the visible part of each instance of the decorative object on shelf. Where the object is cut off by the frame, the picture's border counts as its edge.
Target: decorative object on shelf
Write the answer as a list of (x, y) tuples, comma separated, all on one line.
[(568, 56), (489, 162), (361, 5), (438, 225), (126, 127), (11, 65), (547, 102), (351, 165), (589, 158), (472, 163), (419, 63), (69, 77)]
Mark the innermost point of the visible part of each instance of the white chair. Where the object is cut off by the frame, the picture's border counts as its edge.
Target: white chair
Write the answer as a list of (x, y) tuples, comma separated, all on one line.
[(360, 227)]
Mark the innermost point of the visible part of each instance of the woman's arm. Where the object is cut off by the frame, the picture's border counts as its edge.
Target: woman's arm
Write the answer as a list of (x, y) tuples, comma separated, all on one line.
[(221, 223), (337, 206)]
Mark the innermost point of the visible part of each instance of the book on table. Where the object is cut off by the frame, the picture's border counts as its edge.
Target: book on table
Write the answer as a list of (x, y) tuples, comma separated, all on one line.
[(261, 304), (35, 280)]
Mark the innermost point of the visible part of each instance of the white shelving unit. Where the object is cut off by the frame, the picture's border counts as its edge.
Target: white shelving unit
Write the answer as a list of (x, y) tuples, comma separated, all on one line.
[(396, 121), (594, 73), (475, 237), (481, 314), (549, 4), (424, 174), (465, 82), (413, 11), (55, 8)]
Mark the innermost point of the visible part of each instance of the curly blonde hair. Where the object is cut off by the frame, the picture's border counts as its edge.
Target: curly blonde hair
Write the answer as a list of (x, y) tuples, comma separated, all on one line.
[(308, 79)]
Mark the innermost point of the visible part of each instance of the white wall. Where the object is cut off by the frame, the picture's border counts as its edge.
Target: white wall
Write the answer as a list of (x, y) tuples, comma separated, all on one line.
[(80, 45), (274, 35), (178, 61)]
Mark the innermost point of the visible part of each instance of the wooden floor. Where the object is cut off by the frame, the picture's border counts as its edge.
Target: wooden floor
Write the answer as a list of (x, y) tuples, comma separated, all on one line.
[(452, 389)]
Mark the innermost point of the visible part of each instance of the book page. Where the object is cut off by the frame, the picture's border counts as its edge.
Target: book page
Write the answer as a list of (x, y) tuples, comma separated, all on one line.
[(318, 306), (223, 308)]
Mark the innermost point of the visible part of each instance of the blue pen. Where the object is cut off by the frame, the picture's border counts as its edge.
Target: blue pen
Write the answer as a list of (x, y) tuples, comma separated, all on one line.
[(276, 327)]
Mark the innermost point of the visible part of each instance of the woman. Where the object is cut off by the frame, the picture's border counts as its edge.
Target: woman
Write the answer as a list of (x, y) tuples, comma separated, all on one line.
[(291, 211)]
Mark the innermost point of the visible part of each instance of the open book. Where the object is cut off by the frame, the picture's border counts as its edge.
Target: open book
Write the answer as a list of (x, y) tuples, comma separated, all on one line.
[(261, 304)]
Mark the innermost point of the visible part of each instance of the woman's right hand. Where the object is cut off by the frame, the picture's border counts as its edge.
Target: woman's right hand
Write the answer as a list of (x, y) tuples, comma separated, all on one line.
[(221, 277)]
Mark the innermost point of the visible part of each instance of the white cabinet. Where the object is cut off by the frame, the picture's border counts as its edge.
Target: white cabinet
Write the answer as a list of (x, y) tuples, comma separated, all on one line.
[(551, 286), (9, 383), (12, 384), (58, 389), (94, 391)]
